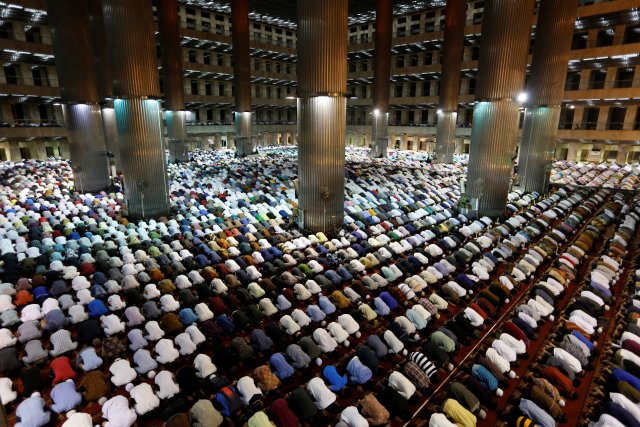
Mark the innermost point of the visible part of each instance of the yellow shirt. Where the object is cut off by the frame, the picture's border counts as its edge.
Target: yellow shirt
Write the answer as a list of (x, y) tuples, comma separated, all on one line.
[(458, 413)]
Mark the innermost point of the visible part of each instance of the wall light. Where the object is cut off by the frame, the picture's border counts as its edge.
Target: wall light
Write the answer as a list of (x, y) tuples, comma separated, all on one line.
[(522, 97)]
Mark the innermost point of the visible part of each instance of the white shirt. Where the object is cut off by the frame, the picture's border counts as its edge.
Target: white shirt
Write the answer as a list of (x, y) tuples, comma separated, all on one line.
[(79, 419), (473, 316), (301, 291), (112, 324), (440, 303), (166, 385), (300, 317), (504, 350), (6, 338), (585, 326), (402, 385), (337, 332), (394, 344), (322, 396), (353, 418), (166, 352), (117, 412), (247, 389), (440, 420), (585, 317), (348, 323), (187, 346), (196, 336), (289, 325), (121, 372), (518, 345), (169, 303), (203, 312), (501, 363), (204, 366), (29, 312), (562, 354), (154, 331), (326, 343), (406, 324), (145, 398)]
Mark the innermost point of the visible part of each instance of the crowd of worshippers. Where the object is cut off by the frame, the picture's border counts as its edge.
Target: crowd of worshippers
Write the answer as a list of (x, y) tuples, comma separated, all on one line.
[(218, 309), (570, 349), (618, 391), (607, 175)]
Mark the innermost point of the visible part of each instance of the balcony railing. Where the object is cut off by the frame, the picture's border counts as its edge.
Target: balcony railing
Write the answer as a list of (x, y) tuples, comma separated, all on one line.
[(22, 37), (32, 123), (19, 80), (599, 125)]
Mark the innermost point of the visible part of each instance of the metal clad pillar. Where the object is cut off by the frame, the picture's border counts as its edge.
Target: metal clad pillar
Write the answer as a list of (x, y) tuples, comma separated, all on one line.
[(105, 92), (322, 87), (556, 20), (132, 55), (455, 21), (241, 76), (381, 78), (501, 71), (171, 55), (70, 28)]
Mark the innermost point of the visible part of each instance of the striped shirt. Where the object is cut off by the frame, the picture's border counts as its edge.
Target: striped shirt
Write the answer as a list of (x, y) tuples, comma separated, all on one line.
[(423, 363)]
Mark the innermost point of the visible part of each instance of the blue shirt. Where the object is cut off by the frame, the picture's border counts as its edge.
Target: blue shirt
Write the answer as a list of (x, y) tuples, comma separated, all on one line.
[(90, 360), (55, 319), (389, 300), (187, 316), (281, 367), (326, 305), (261, 340), (584, 339), (97, 308), (622, 375), (485, 377), (336, 381), (32, 414), (315, 313), (379, 348), (381, 308), (536, 413), (415, 318), (359, 373), (65, 397)]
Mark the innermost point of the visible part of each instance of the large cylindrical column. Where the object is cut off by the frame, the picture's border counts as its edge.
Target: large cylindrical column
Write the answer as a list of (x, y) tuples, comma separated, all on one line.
[(140, 131), (171, 56), (70, 28), (506, 29), (105, 91), (132, 55), (322, 87), (241, 76), (452, 50), (84, 123), (556, 20), (381, 78), (110, 127)]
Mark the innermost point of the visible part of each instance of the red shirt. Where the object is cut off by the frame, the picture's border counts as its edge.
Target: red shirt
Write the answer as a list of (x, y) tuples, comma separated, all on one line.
[(558, 379), (62, 369), (280, 409)]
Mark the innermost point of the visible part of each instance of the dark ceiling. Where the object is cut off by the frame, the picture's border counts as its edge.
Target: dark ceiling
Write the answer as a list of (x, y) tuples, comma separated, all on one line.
[(283, 12)]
